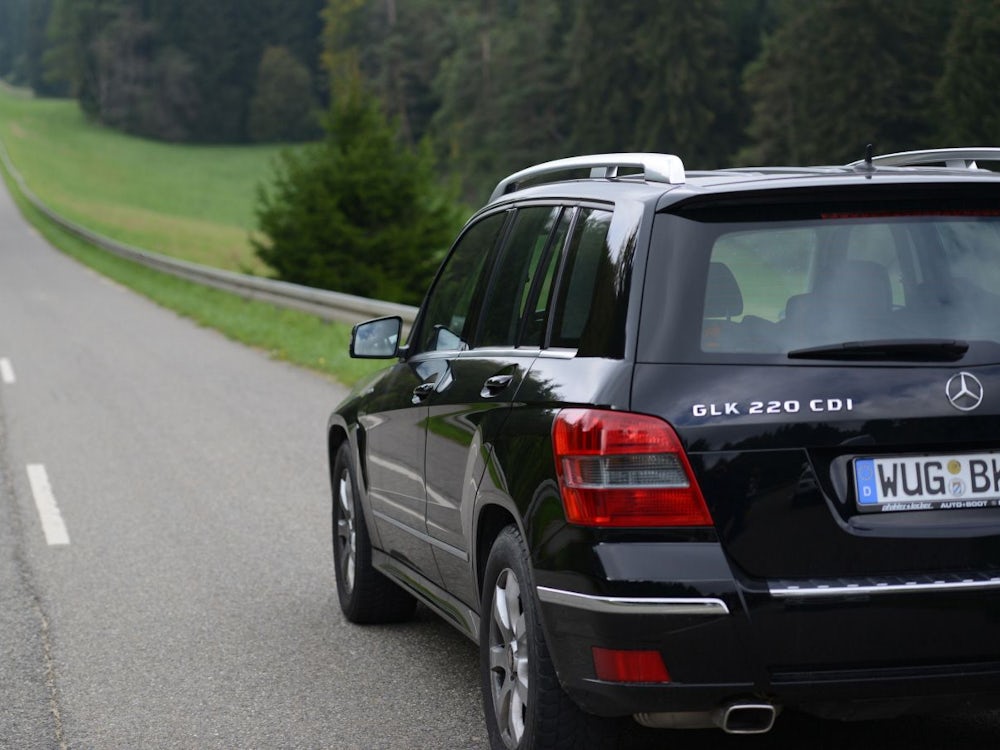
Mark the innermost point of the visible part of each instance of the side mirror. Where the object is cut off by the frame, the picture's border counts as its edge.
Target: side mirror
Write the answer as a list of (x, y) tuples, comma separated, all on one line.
[(377, 339)]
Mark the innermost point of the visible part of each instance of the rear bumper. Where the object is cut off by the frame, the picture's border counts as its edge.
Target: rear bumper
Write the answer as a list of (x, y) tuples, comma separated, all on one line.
[(844, 653)]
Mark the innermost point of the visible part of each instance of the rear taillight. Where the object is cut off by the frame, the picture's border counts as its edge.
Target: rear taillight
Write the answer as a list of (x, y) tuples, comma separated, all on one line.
[(622, 469)]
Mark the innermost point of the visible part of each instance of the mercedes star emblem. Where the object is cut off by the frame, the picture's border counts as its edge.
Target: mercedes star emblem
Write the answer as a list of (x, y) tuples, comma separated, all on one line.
[(964, 391)]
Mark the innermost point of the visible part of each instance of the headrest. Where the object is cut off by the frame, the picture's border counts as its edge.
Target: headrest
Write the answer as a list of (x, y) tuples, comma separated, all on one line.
[(723, 298), (860, 283)]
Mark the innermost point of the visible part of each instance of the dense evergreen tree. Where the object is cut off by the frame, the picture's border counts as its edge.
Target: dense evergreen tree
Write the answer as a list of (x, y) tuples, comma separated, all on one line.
[(504, 102), (680, 68), (687, 101), (402, 44), (73, 29), (360, 212), (838, 74), (283, 107), (967, 91), (13, 48), (176, 69)]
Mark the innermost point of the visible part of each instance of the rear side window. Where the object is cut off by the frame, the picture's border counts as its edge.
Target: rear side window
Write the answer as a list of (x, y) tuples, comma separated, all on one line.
[(538, 276), (529, 243), (586, 281)]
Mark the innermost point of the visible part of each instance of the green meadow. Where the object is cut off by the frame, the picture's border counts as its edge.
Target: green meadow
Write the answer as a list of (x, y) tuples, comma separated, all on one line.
[(191, 202)]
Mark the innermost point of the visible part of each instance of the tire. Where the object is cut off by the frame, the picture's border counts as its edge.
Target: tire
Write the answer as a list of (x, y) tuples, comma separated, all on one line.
[(525, 706), (366, 596)]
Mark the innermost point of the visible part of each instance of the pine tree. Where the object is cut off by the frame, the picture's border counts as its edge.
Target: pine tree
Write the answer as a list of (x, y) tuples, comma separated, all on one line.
[(358, 213), (967, 92), (838, 74), (74, 27), (283, 107), (686, 102), (670, 88), (504, 99)]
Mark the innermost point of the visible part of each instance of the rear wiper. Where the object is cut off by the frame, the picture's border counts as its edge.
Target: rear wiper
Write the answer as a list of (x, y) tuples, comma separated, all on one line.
[(902, 350)]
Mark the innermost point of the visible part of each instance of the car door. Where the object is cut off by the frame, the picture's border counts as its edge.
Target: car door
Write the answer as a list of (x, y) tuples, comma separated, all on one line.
[(395, 430), (476, 386)]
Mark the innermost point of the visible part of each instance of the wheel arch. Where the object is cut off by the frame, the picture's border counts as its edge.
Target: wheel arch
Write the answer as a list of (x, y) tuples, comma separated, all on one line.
[(493, 517), (340, 433), (336, 436)]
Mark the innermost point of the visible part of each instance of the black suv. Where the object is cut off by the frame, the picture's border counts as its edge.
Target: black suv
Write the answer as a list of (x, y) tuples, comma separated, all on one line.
[(692, 447)]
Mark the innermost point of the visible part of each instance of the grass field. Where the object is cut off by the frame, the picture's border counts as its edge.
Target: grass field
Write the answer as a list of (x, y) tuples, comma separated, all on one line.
[(190, 202)]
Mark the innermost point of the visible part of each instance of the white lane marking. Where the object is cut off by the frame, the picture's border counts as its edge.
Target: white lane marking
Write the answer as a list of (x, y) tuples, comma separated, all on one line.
[(48, 511), (7, 372)]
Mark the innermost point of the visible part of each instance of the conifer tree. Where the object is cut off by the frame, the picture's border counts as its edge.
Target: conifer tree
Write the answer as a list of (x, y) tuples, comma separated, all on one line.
[(967, 91), (669, 87), (838, 74), (360, 212)]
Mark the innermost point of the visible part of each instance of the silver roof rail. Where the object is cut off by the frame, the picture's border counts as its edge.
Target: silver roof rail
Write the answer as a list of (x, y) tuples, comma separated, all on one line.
[(655, 168), (953, 158)]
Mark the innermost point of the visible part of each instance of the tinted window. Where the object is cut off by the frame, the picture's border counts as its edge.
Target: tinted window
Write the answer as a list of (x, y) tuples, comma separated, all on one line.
[(775, 287), (542, 295), (515, 274), (588, 290), (447, 318)]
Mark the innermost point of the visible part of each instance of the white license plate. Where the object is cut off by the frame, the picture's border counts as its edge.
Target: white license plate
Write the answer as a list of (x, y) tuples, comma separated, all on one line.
[(968, 480)]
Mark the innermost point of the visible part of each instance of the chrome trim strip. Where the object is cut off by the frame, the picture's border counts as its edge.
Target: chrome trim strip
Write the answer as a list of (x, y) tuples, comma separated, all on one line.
[(857, 589), (633, 605)]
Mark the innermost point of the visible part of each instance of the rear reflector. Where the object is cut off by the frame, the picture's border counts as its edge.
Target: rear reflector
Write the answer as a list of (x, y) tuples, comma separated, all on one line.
[(614, 665), (621, 469)]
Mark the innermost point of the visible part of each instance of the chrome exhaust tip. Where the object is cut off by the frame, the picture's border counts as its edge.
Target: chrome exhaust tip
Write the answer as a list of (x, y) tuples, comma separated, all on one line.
[(746, 718)]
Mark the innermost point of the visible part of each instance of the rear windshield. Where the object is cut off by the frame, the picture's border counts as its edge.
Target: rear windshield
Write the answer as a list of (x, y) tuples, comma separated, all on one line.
[(778, 287)]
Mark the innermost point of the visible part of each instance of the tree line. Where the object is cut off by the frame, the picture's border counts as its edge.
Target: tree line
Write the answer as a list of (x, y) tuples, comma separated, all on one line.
[(497, 84), (459, 93), (224, 71)]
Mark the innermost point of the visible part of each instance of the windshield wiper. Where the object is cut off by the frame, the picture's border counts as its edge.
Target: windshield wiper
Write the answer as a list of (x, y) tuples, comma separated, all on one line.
[(899, 350)]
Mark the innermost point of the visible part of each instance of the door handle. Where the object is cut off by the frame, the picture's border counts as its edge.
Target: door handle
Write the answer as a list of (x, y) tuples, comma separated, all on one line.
[(422, 391), (495, 385)]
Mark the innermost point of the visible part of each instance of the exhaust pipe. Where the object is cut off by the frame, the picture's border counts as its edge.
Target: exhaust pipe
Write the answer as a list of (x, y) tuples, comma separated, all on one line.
[(745, 718), (735, 718)]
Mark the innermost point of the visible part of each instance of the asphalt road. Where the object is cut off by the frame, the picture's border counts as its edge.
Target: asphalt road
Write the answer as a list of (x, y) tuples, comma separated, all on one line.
[(186, 598)]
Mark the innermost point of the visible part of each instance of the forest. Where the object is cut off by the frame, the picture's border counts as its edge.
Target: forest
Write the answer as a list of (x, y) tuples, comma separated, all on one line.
[(493, 85), (413, 109)]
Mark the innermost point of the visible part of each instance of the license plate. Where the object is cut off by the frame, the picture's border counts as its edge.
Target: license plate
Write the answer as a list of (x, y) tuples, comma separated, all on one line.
[(968, 480)]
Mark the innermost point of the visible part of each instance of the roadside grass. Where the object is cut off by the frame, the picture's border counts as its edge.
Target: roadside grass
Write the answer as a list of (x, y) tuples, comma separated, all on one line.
[(287, 335), (189, 202)]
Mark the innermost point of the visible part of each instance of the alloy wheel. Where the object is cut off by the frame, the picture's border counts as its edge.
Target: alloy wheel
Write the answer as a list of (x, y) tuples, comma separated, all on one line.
[(509, 658), (346, 532)]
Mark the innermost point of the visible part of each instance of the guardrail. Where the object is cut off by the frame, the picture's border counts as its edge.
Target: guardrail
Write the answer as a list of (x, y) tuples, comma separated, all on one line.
[(326, 304)]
